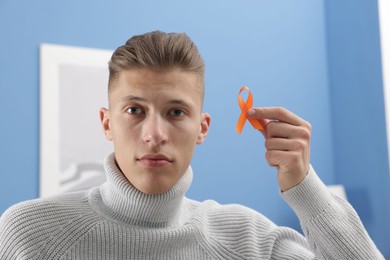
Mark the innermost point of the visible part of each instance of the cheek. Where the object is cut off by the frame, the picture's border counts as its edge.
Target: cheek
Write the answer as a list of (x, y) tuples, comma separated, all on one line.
[(186, 138), (124, 132)]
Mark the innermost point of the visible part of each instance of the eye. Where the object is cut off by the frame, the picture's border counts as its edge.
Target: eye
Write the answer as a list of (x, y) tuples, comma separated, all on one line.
[(176, 112), (134, 110)]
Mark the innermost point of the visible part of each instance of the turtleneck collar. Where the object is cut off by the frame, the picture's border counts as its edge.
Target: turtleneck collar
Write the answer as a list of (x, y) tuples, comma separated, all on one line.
[(121, 201)]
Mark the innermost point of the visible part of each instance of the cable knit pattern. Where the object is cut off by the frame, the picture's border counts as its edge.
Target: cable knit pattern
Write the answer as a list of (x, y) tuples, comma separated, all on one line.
[(117, 221)]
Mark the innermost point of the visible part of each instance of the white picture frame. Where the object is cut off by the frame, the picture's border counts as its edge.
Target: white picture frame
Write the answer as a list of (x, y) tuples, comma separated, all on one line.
[(73, 87), (384, 24)]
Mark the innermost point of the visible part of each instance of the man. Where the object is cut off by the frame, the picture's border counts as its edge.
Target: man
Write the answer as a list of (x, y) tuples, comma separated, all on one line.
[(154, 120)]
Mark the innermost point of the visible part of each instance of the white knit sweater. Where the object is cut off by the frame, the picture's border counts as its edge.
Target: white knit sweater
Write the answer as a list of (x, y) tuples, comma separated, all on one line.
[(116, 221)]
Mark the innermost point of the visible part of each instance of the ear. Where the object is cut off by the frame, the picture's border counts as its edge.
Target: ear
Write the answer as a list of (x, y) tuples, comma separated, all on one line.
[(204, 128), (105, 121)]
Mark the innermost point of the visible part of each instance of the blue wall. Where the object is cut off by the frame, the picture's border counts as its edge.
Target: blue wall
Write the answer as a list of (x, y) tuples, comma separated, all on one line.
[(357, 106), (285, 51)]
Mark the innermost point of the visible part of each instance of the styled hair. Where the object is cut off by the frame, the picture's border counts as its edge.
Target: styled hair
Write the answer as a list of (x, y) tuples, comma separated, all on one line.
[(157, 51)]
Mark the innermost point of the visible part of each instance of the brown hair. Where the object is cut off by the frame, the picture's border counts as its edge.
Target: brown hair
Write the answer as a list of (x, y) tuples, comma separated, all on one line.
[(157, 51)]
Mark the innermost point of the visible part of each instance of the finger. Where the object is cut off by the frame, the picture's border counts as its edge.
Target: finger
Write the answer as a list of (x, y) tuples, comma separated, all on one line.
[(285, 159), (276, 113), (264, 133), (263, 123), (282, 144), (275, 157), (285, 130)]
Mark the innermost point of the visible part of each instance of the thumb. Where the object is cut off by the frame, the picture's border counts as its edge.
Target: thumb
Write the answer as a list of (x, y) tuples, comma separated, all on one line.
[(253, 114)]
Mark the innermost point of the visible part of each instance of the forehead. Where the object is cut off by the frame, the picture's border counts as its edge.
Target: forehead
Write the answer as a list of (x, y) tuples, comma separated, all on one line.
[(147, 83)]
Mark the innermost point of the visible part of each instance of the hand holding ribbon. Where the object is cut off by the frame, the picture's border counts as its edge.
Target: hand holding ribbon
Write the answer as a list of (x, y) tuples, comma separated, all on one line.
[(287, 139)]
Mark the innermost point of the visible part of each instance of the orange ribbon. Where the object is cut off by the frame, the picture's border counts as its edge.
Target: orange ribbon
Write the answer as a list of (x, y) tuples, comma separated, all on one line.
[(245, 106)]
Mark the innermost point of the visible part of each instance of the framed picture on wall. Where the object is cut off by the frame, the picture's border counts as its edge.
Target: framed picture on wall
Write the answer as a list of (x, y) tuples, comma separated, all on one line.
[(73, 87), (384, 24)]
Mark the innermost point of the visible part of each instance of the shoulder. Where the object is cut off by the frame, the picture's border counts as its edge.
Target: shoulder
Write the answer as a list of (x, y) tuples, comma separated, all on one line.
[(28, 225), (45, 211), (216, 217), (214, 211), (242, 231), (45, 208)]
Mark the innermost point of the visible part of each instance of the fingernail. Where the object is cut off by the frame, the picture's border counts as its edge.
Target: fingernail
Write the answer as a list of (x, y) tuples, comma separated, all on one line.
[(251, 112)]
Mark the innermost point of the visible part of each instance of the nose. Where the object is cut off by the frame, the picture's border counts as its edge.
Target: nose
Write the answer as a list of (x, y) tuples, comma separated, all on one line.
[(154, 130)]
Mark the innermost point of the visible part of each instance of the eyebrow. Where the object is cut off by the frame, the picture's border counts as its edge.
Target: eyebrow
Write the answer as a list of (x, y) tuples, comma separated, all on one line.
[(180, 102), (172, 101), (132, 98)]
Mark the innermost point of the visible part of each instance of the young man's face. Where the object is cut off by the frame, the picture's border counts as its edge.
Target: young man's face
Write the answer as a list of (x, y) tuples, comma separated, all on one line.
[(154, 120)]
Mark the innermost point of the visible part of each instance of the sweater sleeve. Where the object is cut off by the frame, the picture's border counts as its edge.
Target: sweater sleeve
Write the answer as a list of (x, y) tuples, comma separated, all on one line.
[(330, 224)]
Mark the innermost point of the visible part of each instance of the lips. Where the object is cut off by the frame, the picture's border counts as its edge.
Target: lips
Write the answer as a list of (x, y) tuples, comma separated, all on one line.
[(154, 160)]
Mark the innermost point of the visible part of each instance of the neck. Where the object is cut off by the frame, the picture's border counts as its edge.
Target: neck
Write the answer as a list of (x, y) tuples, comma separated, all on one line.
[(122, 202)]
